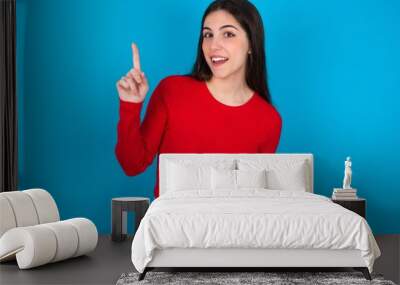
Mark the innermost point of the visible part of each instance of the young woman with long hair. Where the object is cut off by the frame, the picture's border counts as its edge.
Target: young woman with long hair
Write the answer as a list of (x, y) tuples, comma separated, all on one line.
[(222, 106)]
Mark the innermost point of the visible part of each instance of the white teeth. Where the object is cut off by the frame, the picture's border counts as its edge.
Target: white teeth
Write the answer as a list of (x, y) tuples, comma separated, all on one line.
[(216, 59)]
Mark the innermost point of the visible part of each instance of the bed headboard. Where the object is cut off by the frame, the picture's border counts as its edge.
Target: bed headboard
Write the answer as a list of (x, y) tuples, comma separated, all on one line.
[(210, 157)]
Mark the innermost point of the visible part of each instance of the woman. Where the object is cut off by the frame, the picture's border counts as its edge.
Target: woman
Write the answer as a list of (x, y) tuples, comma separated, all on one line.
[(223, 106)]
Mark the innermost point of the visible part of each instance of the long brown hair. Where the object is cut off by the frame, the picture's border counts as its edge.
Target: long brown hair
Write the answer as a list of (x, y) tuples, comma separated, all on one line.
[(250, 20)]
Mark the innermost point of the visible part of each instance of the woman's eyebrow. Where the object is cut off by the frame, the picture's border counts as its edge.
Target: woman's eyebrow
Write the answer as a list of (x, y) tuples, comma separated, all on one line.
[(222, 27)]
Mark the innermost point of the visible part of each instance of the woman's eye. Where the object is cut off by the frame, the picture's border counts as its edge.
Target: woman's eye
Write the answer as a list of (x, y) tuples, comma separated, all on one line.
[(226, 34), (229, 34)]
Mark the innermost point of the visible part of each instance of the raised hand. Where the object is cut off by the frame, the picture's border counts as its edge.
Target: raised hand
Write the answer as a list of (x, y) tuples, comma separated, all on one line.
[(133, 87)]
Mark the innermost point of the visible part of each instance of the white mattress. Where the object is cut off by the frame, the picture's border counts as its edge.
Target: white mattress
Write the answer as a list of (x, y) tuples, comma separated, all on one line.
[(250, 218)]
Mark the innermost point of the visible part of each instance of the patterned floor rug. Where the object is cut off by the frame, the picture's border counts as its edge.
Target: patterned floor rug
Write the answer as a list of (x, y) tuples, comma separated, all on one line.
[(244, 278)]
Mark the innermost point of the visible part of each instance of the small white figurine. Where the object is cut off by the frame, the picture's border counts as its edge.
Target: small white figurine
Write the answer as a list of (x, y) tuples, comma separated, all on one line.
[(347, 173)]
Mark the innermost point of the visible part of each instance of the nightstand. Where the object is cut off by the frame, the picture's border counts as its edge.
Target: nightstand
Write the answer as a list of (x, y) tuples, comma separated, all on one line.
[(120, 207), (358, 206)]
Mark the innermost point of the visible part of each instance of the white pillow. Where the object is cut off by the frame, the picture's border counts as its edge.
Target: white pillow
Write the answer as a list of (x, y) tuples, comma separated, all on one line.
[(251, 178), (223, 179), (181, 177), (236, 179), (281, 174), (188, 175), (289, 179)]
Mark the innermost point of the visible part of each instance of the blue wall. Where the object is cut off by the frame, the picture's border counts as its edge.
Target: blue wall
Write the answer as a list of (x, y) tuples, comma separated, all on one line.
[(333, 72)]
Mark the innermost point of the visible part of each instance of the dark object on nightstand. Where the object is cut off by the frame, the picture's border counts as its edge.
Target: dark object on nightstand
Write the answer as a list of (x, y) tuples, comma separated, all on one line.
[(357, 205), (120, 207)]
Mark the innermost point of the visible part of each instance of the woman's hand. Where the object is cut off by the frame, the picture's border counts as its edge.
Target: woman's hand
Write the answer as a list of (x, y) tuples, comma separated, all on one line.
[(133, 87)]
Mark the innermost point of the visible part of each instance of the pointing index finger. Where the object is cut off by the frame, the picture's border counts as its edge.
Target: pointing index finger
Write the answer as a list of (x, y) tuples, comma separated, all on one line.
[(135, 55)]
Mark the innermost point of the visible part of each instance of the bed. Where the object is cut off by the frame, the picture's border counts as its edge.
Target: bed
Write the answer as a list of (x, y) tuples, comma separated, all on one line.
[(247, 210)]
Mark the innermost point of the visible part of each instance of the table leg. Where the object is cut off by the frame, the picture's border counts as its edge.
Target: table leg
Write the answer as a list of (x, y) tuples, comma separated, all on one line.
[(116, 234), (124, 221), (139, 214)]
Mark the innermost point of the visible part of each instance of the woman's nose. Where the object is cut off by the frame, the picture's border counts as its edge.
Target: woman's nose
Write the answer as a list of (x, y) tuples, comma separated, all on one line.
[(215, 43)]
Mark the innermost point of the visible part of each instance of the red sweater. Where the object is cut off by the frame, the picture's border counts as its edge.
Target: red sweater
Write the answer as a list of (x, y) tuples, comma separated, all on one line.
[(183, 117)]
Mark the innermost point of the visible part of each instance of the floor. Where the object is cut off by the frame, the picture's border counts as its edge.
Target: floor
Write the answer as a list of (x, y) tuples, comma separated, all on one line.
[(103, 266), (111, 259), (389, 262)]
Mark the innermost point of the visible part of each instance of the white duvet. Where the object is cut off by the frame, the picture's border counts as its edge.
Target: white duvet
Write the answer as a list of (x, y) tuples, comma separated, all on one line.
[(250, 218)]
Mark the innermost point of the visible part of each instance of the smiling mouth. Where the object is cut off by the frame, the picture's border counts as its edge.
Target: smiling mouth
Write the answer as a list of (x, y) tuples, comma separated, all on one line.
[(218, 60)]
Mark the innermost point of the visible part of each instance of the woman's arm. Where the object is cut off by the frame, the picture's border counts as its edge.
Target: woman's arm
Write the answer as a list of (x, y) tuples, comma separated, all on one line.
[(138, 143)]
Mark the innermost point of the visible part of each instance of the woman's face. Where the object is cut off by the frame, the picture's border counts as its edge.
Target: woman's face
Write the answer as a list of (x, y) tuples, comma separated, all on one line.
[(225, 44)]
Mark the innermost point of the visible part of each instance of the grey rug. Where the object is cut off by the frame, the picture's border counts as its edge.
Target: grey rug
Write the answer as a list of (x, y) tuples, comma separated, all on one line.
[(270, 278)]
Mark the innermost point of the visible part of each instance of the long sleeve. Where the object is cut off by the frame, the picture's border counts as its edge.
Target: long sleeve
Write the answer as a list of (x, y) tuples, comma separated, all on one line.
[(272, 141), (138, 143)]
